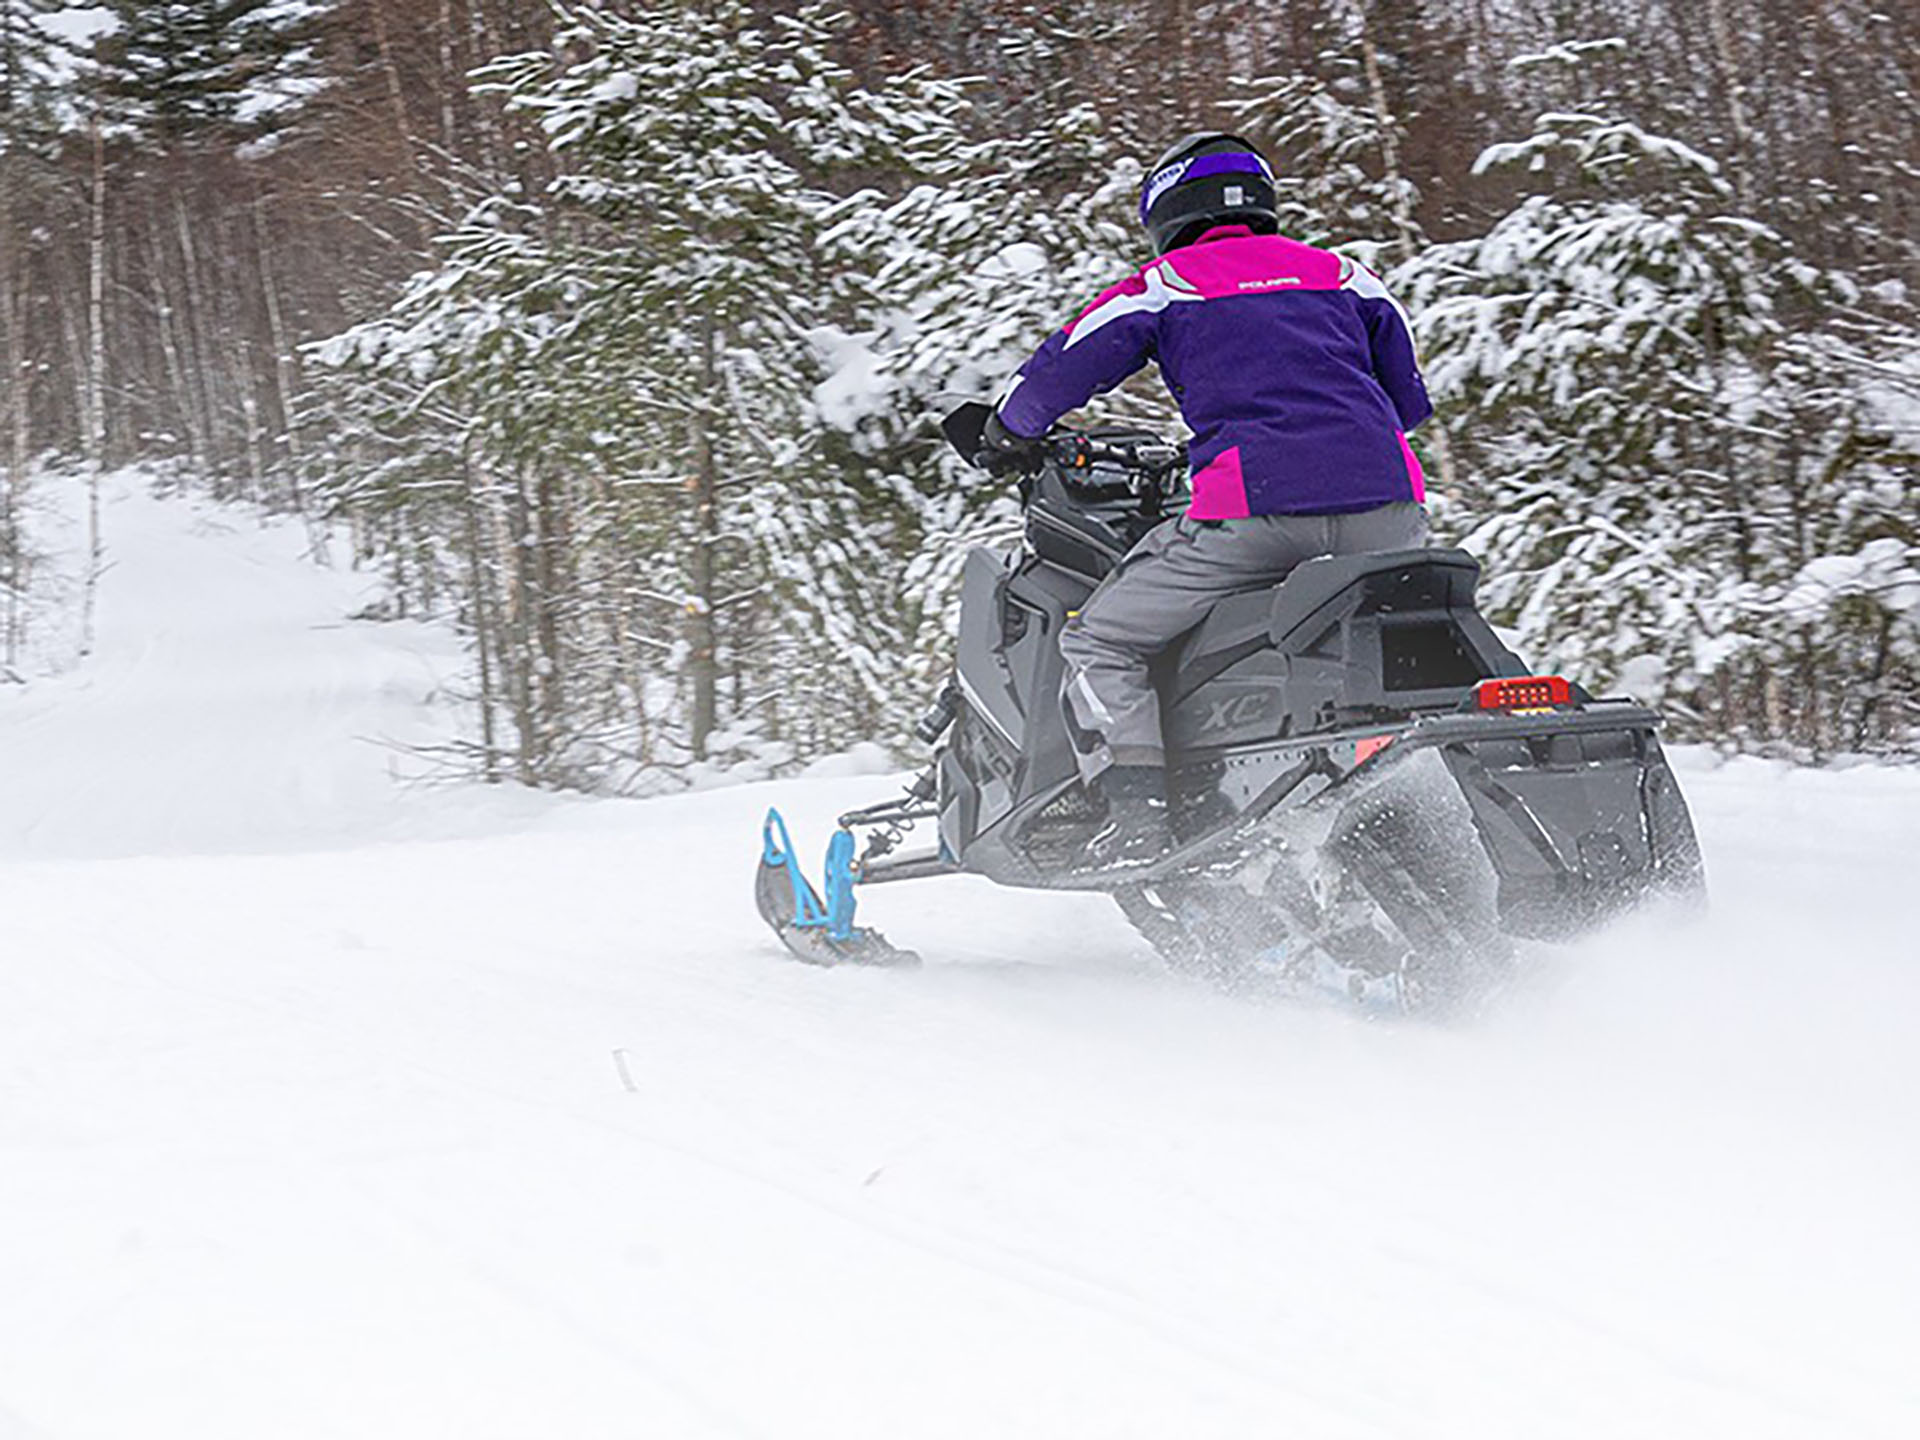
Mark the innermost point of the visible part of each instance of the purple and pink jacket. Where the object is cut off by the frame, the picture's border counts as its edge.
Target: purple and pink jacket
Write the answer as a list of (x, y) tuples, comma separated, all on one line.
[(1294, 369)]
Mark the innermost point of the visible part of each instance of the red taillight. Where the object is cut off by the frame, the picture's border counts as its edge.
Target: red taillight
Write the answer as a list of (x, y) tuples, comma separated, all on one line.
[(1372, 745), (1523, 692)]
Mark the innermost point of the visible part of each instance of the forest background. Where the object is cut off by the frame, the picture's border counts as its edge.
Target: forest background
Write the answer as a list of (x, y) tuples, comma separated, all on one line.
[(617, 332)]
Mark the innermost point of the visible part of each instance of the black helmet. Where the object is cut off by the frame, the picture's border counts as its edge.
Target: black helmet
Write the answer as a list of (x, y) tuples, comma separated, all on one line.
[(1206, 180)]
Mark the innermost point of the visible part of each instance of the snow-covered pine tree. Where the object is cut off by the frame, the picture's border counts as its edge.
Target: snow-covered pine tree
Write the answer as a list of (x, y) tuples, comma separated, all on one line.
[(639, 361), (1835, 663), (175, 67), (31, 65), (1620, 348), (490, 445), (708, 145), (995, 244), (1592, 337)]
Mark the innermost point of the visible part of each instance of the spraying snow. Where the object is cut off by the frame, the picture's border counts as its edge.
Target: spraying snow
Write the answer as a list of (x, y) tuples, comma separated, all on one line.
[(331, 1106)]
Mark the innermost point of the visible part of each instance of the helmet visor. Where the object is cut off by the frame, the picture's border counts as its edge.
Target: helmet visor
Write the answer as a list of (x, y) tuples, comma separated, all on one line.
[(1198, 168)]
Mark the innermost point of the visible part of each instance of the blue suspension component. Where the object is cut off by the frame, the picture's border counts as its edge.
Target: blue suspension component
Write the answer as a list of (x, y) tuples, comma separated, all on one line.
[(840, 901), (835, 914)]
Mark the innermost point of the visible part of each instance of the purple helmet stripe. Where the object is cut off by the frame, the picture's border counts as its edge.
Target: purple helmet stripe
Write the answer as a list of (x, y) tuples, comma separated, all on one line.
[(1239, 163)]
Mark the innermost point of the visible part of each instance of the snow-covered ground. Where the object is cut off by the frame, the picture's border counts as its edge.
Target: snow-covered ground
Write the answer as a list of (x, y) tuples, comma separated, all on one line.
[(333, 1106)]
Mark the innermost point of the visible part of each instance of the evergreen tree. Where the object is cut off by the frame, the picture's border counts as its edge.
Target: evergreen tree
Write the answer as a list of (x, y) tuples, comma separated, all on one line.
[(1624, 345), (32, 66), (718, 140), (998, 244), (644, 351), (172, 69)]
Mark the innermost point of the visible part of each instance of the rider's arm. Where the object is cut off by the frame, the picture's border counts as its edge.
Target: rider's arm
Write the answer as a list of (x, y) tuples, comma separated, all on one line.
[(1113, 338), (1390, 338)]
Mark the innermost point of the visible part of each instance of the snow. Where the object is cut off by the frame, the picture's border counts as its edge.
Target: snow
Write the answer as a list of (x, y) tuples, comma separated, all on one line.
[(1883, 568), (53, 515), (230, 704), (856, 384), (616, 88), (331, 1106), (78, 25)]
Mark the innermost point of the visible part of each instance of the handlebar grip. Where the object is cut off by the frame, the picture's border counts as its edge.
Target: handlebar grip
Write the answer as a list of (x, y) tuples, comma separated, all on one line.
[(1001, 463)]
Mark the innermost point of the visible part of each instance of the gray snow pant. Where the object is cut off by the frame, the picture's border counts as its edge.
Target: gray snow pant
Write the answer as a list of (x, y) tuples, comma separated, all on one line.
[(1165, 587)]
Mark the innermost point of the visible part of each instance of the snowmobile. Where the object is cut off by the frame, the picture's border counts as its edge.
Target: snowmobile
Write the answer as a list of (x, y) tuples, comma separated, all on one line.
[(1368, 789)]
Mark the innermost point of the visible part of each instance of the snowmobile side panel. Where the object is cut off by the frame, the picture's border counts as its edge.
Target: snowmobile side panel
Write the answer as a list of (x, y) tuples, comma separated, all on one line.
[(1039, 598), (985, 677), (959, 798), (1042, 845)]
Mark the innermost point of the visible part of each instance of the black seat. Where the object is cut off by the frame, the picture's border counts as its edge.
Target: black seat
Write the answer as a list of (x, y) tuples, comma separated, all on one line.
[(1293, 615), (1389, 582)]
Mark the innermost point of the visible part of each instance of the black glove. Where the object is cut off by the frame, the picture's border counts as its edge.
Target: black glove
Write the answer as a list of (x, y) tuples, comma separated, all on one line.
[(1002, 452)]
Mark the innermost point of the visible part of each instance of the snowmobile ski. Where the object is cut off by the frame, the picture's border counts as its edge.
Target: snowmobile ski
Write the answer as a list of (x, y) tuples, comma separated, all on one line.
[(820, 932)]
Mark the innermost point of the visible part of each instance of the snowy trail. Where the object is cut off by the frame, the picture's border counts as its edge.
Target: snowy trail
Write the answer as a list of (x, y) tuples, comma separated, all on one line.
[(230, 704), (311, 1120)]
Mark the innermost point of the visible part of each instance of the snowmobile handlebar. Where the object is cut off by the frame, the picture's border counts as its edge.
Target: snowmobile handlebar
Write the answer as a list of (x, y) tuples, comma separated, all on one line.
[(1074, 454)]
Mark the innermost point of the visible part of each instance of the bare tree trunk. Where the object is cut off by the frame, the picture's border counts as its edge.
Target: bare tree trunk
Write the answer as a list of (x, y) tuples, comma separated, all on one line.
[(199, 370), (521, 603), (13, 388), (177, 379), (449, 79), (622, 568), (397, 97), (12, 542), (69, 298), (484, 638), (481, 48), (1176, 29), (96, 408), (550, 554), (702, 634), (250, 412), (507, 608), (231, 329), (286, 378), (1745, 153), (18, 392), (12, 547), (396, 93)]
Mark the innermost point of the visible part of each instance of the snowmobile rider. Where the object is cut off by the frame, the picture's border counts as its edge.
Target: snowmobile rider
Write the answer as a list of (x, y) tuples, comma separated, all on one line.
[(1296, 373)]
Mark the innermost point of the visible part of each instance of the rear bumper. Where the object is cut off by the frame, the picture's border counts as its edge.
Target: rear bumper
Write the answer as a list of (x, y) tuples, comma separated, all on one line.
[(1578, 811)]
